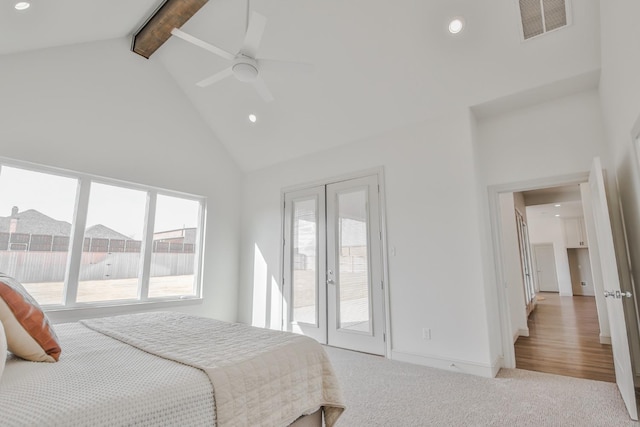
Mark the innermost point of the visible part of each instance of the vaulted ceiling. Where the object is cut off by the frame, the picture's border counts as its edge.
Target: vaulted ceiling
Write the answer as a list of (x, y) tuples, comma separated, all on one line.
[(378, 65)]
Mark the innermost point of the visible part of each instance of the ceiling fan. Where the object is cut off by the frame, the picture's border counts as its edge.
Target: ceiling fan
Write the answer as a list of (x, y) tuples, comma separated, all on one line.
[(245, 66)]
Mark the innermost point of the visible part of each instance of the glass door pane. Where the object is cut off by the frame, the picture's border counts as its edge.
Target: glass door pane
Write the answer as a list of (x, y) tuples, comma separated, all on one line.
[(304, 278), (353, 271), (355, 303), (304, 261)]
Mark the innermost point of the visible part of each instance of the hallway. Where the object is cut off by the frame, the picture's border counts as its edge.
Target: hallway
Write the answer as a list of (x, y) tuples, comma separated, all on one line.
[(564, 339)]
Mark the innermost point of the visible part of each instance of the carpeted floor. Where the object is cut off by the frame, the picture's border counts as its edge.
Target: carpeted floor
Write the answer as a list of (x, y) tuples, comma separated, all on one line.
[(381, 392)]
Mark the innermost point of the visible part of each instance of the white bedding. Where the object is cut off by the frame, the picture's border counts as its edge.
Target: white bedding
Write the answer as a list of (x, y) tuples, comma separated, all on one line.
[(100, 381), (260, 377)]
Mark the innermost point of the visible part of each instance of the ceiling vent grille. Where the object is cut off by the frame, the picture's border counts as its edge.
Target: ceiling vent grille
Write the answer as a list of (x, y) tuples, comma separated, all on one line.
[(541, 16)]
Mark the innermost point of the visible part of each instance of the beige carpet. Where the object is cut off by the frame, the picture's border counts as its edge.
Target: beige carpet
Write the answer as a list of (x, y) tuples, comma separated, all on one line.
[(381, 392)]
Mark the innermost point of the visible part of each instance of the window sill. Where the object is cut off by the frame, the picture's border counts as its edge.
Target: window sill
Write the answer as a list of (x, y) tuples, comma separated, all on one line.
[(61, 314)]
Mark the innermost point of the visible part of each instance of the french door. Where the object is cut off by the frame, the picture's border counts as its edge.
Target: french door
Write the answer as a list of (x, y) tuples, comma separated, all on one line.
[(333, 264)]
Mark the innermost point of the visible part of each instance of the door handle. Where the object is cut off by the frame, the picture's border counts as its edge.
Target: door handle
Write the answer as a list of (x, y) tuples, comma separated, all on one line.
[(330, 280), (617, 294)]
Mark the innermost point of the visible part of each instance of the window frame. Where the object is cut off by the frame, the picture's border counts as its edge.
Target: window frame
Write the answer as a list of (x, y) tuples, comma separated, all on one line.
[(76, 239)]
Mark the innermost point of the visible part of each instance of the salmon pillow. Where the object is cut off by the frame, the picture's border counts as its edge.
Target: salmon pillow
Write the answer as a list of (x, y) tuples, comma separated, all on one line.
[(28, 331)]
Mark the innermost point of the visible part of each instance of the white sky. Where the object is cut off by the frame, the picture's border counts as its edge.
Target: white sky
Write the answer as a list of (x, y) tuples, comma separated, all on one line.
[(120, 209)]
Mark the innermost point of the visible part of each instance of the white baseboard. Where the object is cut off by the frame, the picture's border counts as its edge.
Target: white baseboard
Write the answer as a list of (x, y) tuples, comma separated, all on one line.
[(454, 365), (520, 333), (605, 339)]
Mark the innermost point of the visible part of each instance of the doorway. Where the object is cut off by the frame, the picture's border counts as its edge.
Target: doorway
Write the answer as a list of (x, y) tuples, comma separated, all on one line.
[(594, 197), (562, 334), (333, 264)]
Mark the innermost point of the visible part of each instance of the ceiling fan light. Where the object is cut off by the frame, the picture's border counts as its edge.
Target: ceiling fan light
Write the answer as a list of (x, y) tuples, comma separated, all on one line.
[(245, 72)]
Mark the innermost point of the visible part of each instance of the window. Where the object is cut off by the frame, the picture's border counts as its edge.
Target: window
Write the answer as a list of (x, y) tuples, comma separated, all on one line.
[(36, 210), (74, 239), (174, 242), (115, 216)]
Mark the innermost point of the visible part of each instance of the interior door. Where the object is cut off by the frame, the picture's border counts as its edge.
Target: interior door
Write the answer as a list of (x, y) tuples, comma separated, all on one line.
[(354, 267), (617, 323), (333, 264), (527, 264), (546, 273)]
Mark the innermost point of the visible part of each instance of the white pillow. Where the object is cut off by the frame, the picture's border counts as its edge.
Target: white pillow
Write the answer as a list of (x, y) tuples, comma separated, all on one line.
[(3, 349)]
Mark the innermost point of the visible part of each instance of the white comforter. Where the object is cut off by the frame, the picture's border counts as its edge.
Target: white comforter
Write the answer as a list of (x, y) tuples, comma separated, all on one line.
[(100, 381), (260, 377)]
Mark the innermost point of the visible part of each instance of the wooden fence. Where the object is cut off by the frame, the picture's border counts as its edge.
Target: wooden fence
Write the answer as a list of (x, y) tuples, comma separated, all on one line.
[(35, 267)]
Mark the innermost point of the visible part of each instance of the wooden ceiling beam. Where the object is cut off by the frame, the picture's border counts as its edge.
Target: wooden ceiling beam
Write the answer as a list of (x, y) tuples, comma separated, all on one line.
[(157, 30)]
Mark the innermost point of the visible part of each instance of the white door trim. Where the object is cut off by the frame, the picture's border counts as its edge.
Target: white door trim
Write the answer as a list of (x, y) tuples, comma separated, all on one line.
[(508, 351), (379, 172)]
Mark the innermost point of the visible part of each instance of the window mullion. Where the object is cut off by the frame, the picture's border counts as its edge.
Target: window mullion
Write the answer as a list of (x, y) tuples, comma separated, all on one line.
[(147, 246), (199, 246), (72, 274)]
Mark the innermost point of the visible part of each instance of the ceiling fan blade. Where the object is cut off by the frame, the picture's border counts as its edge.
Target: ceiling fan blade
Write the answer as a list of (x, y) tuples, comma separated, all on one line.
[(216, 77), (201, 43), (254, 35), (262, 89), (278, 66)]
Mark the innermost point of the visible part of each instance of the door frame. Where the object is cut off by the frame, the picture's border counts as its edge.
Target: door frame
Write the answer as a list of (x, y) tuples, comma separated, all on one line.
[(508, 350), (379, 172)]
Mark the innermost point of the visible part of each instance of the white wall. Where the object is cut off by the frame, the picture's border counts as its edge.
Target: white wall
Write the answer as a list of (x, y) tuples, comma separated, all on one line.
[(549, 139), (432, 221), (619, 89), (551, 230), (100, 109)]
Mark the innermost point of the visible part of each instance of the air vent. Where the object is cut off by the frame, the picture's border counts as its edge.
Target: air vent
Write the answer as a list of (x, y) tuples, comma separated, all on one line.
[(541, 16)]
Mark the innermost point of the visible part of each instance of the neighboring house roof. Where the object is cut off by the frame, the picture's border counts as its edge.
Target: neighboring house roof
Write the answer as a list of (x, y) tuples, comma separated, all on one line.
[(103, 232), (32, 221)]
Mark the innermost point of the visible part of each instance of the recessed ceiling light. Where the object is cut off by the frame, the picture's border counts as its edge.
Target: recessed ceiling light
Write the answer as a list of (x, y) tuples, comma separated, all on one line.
[(22, 5), (253, 118), (557, 205), (456, 25), (557, 214)]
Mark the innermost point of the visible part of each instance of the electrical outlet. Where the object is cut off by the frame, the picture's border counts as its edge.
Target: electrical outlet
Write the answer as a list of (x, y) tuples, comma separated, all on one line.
[(426, 334)]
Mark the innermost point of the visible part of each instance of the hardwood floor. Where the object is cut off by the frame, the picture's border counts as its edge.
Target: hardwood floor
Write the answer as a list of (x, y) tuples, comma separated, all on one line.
[(564, 339)]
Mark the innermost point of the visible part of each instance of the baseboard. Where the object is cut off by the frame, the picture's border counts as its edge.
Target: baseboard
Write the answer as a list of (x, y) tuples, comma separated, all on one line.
[(453, 365), (605, 340), (520, 333)]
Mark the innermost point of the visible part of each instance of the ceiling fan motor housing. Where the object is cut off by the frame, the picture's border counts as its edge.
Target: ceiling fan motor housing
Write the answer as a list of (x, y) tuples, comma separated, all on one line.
[(245, 69)]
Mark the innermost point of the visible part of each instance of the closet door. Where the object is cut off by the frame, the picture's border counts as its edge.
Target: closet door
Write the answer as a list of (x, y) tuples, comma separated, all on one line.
[(354, 266), (305, 262)]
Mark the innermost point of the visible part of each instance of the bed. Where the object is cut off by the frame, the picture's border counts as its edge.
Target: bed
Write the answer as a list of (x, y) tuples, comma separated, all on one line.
[(168, 368)]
